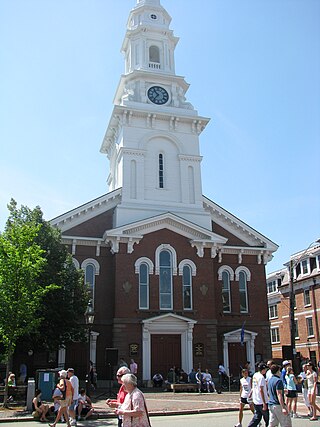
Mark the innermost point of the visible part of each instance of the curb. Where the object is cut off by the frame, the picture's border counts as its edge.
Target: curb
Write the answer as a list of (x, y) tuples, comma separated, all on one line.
[(102, 415)]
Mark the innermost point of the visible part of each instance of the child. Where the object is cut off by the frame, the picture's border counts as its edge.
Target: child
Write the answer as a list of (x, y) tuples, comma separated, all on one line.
[(245, 392), (84, 405)]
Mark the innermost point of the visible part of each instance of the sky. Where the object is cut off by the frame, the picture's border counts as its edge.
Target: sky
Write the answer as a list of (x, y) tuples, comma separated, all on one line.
[(253, 68)]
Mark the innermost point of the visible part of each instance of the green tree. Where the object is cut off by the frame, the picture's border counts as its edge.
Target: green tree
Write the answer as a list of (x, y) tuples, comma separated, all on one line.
[(58, 312), (62, 310), (21, 262)]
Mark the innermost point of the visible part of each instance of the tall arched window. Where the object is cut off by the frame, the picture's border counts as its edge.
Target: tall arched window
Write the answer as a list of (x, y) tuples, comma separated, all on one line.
[(243, 292), (187, 288), (89, 280), (144, 286), (161, 182), (154, 54), (165, 280), (91, 269), (226, 300)]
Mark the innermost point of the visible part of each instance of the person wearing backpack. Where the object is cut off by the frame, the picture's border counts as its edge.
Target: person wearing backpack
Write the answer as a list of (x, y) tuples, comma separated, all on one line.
[(66, 389)]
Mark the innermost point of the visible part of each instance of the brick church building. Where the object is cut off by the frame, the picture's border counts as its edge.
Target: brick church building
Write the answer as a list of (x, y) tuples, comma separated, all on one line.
[(175, 279)]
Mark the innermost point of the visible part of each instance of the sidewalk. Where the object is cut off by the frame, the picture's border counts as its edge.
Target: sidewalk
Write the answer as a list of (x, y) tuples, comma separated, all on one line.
[(161, 403)]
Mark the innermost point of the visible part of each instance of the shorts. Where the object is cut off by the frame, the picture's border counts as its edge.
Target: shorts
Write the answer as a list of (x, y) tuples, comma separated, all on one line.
[(73, 405), (292, 394), (85, 411), (244, 401)]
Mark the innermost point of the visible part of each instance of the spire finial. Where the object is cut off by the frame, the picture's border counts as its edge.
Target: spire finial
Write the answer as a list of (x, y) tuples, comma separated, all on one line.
[(150, 2)]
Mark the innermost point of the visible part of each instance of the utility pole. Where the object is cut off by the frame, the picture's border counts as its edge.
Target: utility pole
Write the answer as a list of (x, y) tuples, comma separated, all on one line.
[(291, 315)]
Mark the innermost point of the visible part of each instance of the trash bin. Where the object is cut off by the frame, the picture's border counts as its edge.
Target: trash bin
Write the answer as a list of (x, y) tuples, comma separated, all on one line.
[(46, 382)]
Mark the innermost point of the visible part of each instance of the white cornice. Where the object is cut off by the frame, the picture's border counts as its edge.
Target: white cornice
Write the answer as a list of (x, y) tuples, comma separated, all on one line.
[(133, 233), (238, 228), (87, 211)]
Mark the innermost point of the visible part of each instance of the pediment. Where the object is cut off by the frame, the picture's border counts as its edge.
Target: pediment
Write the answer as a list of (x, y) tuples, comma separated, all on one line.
[(168, 318), (132, 233)]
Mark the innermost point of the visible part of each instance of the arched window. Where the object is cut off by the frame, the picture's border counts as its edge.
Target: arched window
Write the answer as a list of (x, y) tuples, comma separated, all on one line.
[(144, 286), (154, 54), (187, 288), (89, 279), (165, 280), (243, 292), (91, 269), (226, 297), (161, 180)]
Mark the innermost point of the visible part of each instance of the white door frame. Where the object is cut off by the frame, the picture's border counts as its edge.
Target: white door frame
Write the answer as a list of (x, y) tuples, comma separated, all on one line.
[(167, 324)]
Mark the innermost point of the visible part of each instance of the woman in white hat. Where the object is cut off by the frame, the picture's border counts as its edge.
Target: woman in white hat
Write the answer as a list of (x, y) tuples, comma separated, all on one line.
[(66, 388)]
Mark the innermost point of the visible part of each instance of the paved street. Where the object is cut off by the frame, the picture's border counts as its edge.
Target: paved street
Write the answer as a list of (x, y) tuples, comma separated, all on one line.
[(221, 419)]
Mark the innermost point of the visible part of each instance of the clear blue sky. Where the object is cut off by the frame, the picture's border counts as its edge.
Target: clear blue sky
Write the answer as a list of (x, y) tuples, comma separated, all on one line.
[(254, 69)]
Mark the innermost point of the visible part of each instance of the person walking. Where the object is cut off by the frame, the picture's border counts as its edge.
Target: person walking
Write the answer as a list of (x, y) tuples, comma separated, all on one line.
[(116, 403), (292, 394), (259, 396), (66, 388), (74, 403), (312, 378), (279, 413), (133, 367), (245, 391), (134, 409), (304, 387)]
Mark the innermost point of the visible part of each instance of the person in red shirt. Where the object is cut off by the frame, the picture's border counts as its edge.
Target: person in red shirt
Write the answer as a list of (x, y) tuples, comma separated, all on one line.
[(116, 403)]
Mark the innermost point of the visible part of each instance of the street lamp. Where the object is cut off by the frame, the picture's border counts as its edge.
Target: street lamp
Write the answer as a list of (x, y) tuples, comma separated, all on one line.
[(89, 316)]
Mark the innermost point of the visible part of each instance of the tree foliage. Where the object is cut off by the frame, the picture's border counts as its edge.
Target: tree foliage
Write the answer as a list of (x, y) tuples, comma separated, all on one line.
[(60, 314)]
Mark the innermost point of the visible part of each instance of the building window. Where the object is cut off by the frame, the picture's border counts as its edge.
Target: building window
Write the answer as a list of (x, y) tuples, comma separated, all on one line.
[(165, 280), (296, 329), (243, 292), (91, 269), (154, 54), (89, 280), (318, 262), (306, 297), (161, 180), (275, 335), (187, 288), (272, 286), (304, 267), (226, 297), (310, 331), (273, 311), (144, 286)]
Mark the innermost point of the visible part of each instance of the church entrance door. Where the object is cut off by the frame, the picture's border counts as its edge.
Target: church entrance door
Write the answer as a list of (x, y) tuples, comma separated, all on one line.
[(165, 353), (237, 357)]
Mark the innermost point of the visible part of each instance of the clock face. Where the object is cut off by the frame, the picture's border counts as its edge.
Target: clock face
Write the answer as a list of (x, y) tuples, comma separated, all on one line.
[(158, 95)]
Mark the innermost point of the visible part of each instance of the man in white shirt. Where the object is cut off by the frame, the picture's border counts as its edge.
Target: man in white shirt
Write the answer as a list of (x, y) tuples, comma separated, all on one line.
[(259, 397), (75, 384)]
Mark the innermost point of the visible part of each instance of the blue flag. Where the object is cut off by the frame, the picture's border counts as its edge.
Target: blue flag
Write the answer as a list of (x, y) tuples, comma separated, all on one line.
[(242, 334)]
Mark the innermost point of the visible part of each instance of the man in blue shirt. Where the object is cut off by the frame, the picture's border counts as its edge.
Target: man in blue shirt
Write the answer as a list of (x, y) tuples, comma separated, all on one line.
[(277, 408)]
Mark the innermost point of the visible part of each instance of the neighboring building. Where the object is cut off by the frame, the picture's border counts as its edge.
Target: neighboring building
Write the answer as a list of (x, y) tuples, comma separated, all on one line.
[(306, 288), (175, 279)]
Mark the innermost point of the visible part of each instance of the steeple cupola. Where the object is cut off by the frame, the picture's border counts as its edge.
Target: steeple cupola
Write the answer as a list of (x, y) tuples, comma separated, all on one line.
[(149, 43)]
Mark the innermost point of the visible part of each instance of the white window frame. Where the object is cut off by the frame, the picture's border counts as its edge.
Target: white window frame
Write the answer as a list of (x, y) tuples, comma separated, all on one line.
[(309, 321), (189, 286), (273, 308), (226, 290), (277, 332), (171, 283), (146, 285), (243, 271), (96, 272), (274, 285), (306, 298)]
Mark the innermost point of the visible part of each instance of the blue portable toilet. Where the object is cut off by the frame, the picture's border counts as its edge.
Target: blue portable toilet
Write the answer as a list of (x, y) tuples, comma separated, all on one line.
[(46, 382)]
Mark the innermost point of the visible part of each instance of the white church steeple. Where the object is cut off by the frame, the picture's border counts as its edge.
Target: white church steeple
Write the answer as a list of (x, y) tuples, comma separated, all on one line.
[(152, 140)]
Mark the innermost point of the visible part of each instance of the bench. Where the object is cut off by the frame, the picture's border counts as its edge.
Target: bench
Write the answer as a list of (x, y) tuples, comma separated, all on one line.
[(20, 391), (184, 387)]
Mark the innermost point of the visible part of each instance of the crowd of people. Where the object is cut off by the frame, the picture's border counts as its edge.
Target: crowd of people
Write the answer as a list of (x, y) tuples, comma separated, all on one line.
[(273, 391), (69, 402)]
